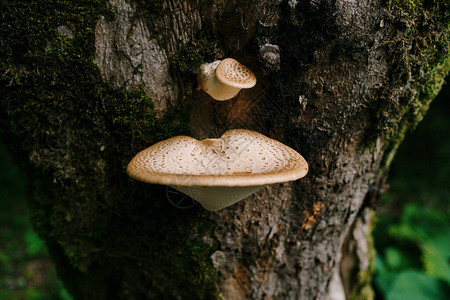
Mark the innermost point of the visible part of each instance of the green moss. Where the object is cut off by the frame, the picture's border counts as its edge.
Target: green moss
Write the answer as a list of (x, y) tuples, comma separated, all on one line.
[(409, 5), (192, 55), (78, 135), (418, 63)]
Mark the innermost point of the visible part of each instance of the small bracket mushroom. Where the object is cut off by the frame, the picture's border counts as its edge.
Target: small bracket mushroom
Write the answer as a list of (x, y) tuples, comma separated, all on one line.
[(223, 80), (218, 172)]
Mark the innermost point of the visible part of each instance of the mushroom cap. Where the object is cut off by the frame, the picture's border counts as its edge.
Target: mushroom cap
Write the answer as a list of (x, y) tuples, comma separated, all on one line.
[(239, 158), (233, 73)]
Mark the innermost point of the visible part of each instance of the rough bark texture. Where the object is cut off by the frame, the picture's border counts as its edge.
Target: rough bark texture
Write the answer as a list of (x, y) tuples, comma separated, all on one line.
[(87, 85)]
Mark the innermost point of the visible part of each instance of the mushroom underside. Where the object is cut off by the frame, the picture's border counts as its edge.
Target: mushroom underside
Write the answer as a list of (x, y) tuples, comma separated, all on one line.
[(214, 198)]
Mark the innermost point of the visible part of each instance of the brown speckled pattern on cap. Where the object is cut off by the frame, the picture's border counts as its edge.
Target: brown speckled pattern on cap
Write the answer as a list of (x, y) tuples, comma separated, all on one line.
[(239, 158), (232, 73)]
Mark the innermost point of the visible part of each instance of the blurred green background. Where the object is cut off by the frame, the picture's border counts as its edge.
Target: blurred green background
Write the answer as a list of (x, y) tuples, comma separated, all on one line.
[(412, 234), (26, 271), (412, 237)]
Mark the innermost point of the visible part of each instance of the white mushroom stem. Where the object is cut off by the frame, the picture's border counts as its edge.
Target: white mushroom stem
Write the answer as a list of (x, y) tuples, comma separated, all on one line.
[(214, 198), (208, 81)]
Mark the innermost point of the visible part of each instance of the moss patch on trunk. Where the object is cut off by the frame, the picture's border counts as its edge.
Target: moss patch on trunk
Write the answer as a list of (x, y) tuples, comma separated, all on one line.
[(75, 136), (418, 51)]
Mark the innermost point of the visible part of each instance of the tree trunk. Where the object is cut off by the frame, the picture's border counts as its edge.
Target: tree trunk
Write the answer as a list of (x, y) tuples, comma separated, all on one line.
[(86, 85)]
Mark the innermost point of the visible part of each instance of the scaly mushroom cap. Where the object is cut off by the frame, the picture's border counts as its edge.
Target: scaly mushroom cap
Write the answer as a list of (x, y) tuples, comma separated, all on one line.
[(232, 73), (239, 158)]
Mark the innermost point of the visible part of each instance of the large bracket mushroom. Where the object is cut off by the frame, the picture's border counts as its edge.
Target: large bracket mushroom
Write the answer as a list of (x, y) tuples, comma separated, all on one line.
[(218, 172)]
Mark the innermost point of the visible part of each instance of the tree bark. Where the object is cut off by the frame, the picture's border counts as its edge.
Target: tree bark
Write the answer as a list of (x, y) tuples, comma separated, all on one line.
[(88, 85)]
